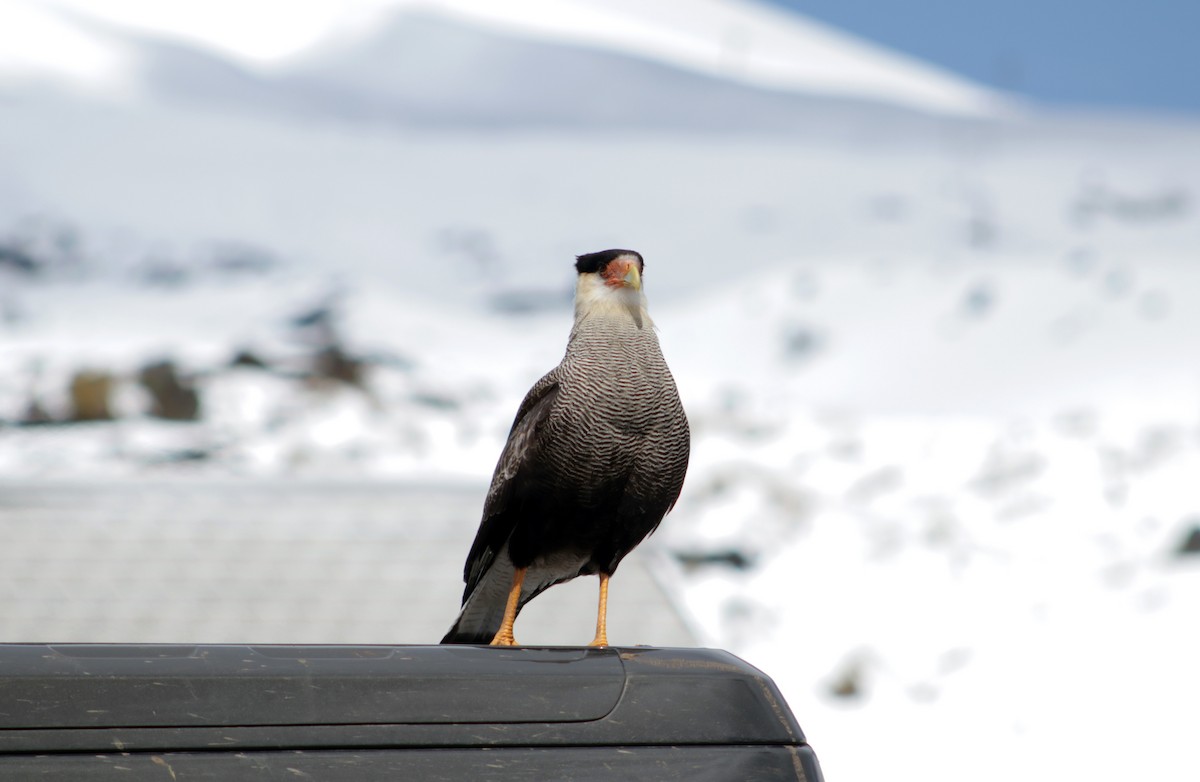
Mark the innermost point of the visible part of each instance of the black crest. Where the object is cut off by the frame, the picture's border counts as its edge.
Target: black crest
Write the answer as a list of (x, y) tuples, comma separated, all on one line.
[(592, 263)]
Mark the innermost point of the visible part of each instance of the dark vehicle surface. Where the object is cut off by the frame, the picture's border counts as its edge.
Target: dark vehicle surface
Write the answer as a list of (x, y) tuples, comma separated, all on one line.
[(227, 712)]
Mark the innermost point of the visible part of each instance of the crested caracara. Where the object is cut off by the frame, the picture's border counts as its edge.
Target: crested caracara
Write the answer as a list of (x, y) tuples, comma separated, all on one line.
[(595, 459)]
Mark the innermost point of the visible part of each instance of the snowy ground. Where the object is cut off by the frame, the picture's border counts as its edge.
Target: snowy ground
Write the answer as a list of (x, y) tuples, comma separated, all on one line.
[(945, 394)]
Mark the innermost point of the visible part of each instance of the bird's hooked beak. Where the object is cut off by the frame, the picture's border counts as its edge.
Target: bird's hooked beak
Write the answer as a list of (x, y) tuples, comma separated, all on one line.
[(623, 273)]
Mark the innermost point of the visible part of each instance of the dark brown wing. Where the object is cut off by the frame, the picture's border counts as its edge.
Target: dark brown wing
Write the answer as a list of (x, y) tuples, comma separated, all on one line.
[(497, 525)]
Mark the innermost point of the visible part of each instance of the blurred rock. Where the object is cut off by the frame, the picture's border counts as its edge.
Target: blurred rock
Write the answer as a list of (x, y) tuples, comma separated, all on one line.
[(954, 660), (847, 683), (731, 558), (979, 300), (1098, 200), (1190, 546), (1004, 470), (436, 400), (334, 363), (36, 414), (181, 456), (317, 329), (90, 392), (876, 483), (390, 360), (802, 342), (39, 244), (164, 272), (17, 259), (320, 317), (174, 399), (247, 358), (235, 258)]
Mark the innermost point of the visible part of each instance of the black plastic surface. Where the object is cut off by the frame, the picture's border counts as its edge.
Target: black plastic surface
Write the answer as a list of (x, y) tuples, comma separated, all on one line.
[(87, 686), (586, 764), (234, 712)]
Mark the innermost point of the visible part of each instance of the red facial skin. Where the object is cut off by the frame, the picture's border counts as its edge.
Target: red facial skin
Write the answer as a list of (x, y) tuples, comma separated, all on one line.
[(614, 273)]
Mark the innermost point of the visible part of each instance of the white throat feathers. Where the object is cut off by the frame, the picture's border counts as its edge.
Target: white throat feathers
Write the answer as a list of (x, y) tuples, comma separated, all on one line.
[(595, 298)]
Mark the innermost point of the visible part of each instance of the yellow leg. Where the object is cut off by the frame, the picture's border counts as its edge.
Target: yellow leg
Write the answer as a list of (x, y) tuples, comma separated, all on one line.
[(504, 636), (601, 638)]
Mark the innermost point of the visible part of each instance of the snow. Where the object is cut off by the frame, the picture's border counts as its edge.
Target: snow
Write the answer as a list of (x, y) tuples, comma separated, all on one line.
[(739, 40), (38, 45), (736, 41), (993, 591)]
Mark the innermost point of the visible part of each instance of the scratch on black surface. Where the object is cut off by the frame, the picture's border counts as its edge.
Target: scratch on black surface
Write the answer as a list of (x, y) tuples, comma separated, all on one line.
[(796, 764), (775, 706), (162, 762)]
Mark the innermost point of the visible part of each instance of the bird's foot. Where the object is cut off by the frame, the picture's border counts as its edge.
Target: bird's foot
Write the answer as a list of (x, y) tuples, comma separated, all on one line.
[(504, 639), (599, 640), (504, 636)]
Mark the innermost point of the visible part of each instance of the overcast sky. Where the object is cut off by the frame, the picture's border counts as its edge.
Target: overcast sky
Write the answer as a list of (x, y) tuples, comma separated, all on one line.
[(1123, 53)]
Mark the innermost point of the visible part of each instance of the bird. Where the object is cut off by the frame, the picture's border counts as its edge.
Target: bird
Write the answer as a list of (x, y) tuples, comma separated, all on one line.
[(595, 458)]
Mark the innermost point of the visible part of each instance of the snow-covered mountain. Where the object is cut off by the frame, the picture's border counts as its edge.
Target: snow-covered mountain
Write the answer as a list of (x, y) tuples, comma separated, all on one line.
[(700, 64), (41, 48)]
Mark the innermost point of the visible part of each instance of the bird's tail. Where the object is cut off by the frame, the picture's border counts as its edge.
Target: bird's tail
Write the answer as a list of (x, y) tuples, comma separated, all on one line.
[(474, 635), (479, 620)]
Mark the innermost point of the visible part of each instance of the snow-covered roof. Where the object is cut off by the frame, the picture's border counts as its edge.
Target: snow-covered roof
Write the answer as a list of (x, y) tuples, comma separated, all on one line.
[(275, 563)]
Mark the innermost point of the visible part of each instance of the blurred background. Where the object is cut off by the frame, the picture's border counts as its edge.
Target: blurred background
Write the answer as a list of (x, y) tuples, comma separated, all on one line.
[(274, 277)]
